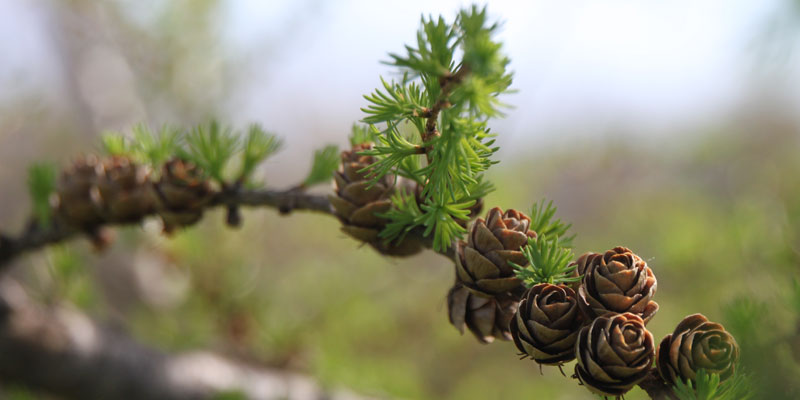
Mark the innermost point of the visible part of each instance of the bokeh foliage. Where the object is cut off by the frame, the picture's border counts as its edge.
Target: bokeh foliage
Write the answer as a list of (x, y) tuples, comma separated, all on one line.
[(718, 225), (718, 219)]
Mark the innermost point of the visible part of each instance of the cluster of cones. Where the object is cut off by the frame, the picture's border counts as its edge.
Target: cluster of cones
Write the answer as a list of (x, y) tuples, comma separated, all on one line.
[(359, 202), (599, 320), (94, 191)]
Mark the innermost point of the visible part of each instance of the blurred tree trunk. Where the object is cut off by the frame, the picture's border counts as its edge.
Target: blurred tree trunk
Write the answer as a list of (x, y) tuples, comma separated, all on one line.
[(63, 352)]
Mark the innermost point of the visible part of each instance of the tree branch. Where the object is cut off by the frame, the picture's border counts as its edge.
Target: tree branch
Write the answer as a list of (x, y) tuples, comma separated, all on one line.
[(63, 352), (37, 235), (286, 201), (447, 83)]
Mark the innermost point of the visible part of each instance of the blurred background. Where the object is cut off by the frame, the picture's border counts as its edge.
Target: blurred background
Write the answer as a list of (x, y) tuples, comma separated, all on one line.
[(667, 127)]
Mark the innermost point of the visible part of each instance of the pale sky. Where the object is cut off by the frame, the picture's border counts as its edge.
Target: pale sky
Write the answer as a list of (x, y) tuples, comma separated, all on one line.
[(588, 65), (583, 66)]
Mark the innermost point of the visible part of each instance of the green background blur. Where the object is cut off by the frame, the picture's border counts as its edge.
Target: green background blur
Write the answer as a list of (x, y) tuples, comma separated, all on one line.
[(714, 209)]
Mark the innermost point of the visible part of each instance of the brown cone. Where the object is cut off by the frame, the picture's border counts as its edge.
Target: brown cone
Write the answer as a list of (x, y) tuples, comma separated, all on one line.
[(181, 193), (357, 203), (482, 264), (546, 325), (616, 282), (78, 198), (696, 344), (124, 188), (486, 317), (614, 353)]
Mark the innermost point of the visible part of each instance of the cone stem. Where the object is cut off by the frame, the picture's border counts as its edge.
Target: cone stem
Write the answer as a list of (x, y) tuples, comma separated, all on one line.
[(656, 388)]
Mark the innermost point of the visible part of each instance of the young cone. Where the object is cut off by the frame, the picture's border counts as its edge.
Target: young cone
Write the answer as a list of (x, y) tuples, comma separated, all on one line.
[(357, 202), (614, 353), (124, 188), (616, 282), (482, 263), (696, 344), (78, 200), (181, 193), (546, 325), (486, 317), (487, 290)]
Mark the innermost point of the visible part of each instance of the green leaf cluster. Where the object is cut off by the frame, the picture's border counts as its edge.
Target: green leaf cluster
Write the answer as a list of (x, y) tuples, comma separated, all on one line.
[(258, 146), (41, 185), (224, 154), (708, 387), (326, 161), (407, 215), (431, 126), (361, 134), (152, 147), (543, 223), (211, 146), (548, 262), (549, 254)]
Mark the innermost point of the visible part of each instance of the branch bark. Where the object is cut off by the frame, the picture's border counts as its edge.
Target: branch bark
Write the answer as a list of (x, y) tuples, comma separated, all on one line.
[(447, 83), (63, 352), (36, 235)]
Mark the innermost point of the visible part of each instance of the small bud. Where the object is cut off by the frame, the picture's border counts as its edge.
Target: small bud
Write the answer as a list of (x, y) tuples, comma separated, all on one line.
[(234, 216)]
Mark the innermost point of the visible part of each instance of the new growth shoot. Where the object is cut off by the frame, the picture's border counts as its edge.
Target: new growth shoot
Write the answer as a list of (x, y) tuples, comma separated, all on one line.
[(431, 126)]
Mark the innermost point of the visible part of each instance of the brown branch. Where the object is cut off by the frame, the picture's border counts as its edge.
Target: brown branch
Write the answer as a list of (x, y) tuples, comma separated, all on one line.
[(656, 388), (63, 352), (420, 150), (447, 83), (285, 201), (37, 235)]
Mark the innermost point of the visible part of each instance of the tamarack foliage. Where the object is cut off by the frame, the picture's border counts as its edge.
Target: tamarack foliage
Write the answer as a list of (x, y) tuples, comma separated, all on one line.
[(414, 178)]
